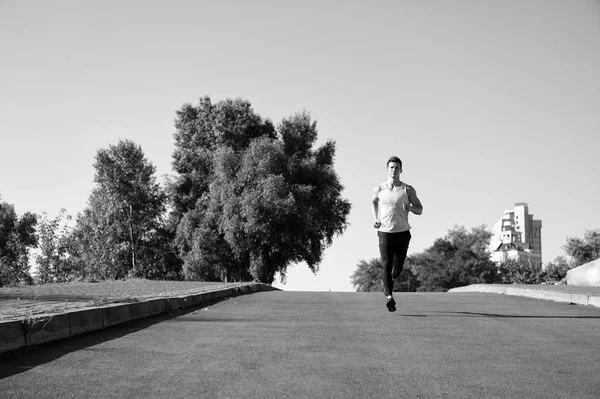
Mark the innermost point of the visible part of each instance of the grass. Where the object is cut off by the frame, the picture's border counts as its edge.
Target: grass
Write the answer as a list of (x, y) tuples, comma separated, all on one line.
[(43, 309), (36, 311), (32, 309)]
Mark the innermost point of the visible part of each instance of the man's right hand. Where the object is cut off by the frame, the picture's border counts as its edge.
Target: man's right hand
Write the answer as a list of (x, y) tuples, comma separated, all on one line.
[(377, 224)]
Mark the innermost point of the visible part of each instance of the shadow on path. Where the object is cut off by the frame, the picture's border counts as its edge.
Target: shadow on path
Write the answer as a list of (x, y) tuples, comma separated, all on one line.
[(478, 314), (24, 359)]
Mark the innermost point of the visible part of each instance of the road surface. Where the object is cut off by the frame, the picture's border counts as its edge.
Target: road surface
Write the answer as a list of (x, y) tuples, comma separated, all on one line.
[(319, 344)]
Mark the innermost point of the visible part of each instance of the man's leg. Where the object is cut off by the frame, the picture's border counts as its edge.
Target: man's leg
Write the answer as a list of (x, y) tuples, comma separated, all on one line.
[(397, 269), (386, 250), (400, 249)]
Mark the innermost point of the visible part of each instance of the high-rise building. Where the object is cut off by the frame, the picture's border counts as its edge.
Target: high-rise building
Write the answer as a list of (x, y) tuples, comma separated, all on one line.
[(517, 236)]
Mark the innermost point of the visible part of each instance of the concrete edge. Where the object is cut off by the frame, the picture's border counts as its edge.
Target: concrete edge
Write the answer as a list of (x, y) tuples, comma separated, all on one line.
[(578, 299), (51, 327), (12, 336)]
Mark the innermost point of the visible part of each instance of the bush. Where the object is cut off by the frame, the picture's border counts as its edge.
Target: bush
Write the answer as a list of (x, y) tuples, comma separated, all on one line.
[(520, 272), (556, 271)]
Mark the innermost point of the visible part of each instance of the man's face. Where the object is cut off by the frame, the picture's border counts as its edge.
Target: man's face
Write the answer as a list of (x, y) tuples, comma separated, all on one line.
[(394, 169)]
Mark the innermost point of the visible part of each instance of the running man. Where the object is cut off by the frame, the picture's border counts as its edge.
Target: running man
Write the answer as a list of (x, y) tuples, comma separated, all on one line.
[(392, 201)]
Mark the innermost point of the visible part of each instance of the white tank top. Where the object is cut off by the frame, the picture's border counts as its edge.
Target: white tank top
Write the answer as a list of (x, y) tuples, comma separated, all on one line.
[(393, 218)]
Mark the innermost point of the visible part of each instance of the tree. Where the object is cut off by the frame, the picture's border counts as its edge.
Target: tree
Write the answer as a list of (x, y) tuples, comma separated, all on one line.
[(252, 199), (583, 250), (118, 234), (17, 236), (127, 177), (55, 263), (199, 132), (100, 241), (460, 258), (476, 241), (556, 271), (520, 272), (367, 277), (579, 251)]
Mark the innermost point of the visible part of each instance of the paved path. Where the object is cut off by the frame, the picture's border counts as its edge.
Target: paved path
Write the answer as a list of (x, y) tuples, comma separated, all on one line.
[(341, 345), (36, 314)]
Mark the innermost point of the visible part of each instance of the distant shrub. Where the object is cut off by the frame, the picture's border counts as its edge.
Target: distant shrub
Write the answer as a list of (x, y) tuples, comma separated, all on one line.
[(556, 271), (520, 272)]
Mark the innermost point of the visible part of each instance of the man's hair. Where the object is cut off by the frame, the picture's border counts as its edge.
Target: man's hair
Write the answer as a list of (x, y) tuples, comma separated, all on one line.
[(394, 159)]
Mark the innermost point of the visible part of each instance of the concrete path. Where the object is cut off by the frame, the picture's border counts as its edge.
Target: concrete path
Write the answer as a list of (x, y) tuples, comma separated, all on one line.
[(319, 345), (33, 315)]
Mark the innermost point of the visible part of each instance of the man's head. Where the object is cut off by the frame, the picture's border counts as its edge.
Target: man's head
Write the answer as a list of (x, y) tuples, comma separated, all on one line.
[(394, 165), (394, 159)]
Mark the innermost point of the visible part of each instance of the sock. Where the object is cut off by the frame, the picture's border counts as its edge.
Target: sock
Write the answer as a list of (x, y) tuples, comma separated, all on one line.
[(389, 297)]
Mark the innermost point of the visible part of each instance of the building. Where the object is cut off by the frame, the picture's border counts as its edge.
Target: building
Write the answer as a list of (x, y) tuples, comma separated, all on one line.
[(517, 236)]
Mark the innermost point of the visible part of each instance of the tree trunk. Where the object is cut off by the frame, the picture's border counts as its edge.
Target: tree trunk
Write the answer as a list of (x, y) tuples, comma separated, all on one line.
[(132, 243)]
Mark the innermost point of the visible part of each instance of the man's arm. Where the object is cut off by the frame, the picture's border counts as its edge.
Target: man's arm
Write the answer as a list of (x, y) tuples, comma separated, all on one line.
[(415, 203), (375, 206)]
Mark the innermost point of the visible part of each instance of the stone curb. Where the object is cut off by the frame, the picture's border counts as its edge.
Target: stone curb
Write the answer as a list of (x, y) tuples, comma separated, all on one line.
[(51, 327), (579, 299)]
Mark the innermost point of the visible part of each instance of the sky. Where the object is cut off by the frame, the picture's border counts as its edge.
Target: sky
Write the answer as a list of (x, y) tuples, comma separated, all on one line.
[(487, 103)]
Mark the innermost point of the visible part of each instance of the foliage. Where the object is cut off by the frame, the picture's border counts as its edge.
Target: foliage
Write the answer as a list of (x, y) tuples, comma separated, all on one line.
[(99, 243), (556, 271), (367, 277), (252, 199), (520, 272), (583, 250), (17, 236), (407, 281), (458, 259), (55, 263), (461, 258), (199, 132), (121, 232), (579, 251), (206, 254)]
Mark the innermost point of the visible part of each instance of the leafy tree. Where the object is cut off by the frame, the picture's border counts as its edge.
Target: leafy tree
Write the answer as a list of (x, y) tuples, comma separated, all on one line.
[(55, 263), (583, 250), (127, 177), (159, 253), (206, 254), (520, 272), (199, 132), (477, 240), (460, 258), (17, 236), (100, 241), (407, 281), (367, 277), (121, 233), (252, 199), (556, 271), (579, 251)]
